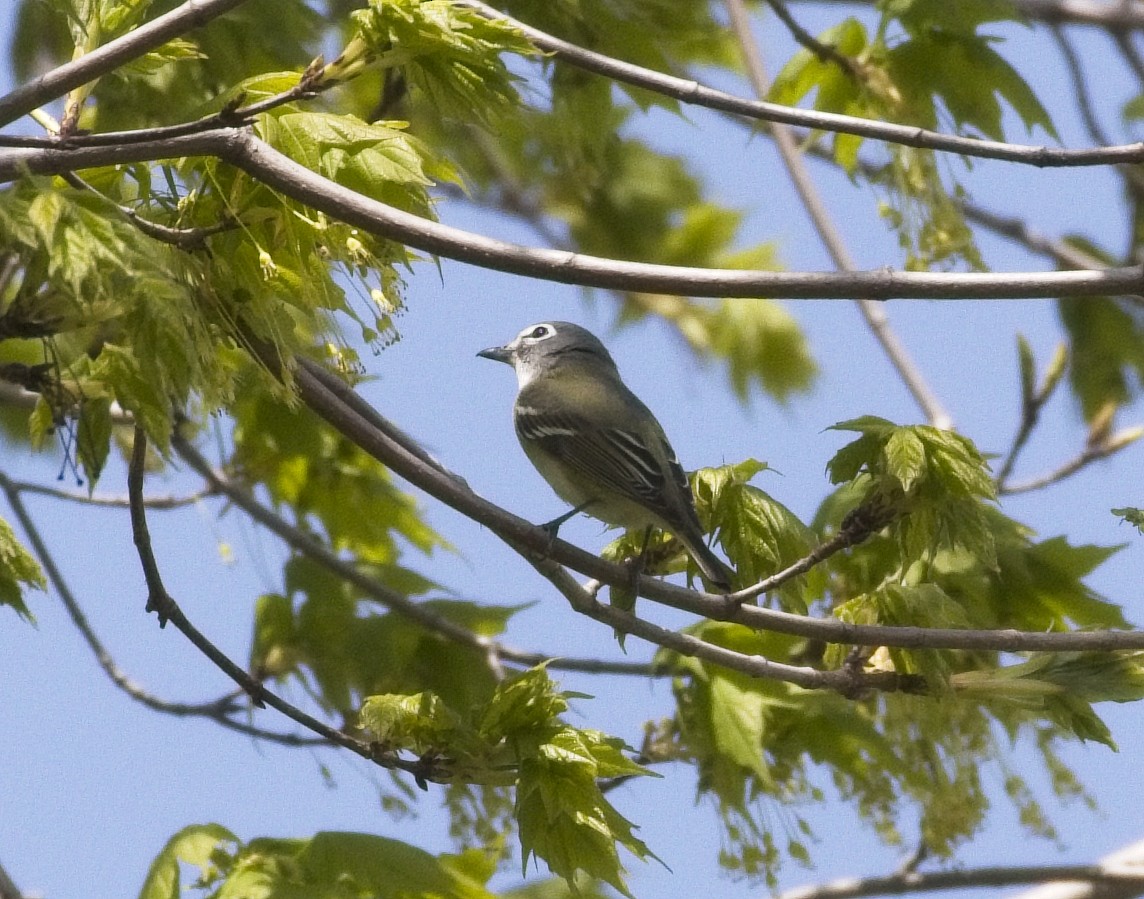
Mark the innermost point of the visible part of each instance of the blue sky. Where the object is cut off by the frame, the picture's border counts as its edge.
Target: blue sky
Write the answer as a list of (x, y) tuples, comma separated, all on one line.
[(92, 784)]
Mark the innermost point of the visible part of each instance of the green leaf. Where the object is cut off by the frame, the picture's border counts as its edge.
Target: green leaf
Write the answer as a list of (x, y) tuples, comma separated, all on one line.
[(419, 723), (373, 159), (1107, 350), (760, 535), (760, 341), (347, 864), (969, 77), (451, 52), (195, 845), (18, 569), (930, 485), (565, 819), (522, 703), (918, 16), (517, 736), (1133, 516), (1063, 686), (905, 458), (93, 437)]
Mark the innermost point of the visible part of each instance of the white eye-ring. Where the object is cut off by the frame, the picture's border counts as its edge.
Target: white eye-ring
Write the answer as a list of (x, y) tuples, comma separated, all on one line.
[(537, 333)]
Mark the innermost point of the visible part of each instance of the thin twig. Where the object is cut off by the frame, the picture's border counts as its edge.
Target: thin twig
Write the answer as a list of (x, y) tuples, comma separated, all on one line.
[(79, 619), (19, 102), (308, 546), (161, 602), (149, 36), (851, 682), (1087, 456), (1084, 104), (169, 501), (279, 172), (217, 710), (1130, 54), (183, 238), (923, 882), (688, 91), (873, 314), (535, 543), (825, 52), (1018, 229)]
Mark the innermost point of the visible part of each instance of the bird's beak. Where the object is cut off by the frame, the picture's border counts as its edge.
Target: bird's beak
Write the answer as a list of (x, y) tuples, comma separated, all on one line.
[(497, 354)]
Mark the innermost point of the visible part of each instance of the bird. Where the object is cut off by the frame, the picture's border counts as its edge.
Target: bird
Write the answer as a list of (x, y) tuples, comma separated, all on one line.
[(596, 444)]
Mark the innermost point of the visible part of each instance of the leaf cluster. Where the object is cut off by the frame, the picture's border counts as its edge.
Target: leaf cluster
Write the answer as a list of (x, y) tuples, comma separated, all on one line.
[(518, 739), (919, 65)]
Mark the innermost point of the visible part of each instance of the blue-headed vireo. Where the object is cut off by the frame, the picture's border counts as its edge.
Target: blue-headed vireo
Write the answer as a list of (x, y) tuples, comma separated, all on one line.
[(595, 443)]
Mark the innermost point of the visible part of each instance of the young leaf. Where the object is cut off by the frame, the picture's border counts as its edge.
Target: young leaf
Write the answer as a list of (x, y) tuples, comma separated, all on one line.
[(760, 535), (195, 845), (18, 569)]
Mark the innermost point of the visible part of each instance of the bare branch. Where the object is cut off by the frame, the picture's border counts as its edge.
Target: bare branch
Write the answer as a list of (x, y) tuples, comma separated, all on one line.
[(1018, 230), (1080, 86), (1091, 453), (274, 169), (183, 238), (875, 317), (169, 501), (186, 17), (8, 888), (1129, 858), (1131, 55), (307, 545), (849, 681), (536, 544), (196, 12), (1114, 15), (79, 619), (692, 92), (918, 882), (161, 602), (825, 52)]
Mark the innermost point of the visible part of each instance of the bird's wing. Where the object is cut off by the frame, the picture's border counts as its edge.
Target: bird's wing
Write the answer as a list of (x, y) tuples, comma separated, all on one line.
[(617, 458)]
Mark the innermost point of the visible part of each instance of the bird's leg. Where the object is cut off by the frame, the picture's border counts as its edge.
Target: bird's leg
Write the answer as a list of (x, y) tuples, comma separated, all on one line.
[(552, 528), (637, 564)]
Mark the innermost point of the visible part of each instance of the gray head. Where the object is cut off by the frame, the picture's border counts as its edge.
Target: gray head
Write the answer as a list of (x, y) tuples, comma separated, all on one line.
[(546, 344)]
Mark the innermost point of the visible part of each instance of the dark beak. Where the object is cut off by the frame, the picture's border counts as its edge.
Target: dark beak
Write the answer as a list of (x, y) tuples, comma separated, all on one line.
[(497, 354)]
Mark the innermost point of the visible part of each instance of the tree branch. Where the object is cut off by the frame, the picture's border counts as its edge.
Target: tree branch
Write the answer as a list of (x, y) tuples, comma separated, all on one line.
[(186, 17), (1080, 86), (825, 52), (847, 680), (11, 491), (536, 544), (1113, 15), (23, 100), (693, 92), (311, 548), (1001, 876), (279, 172), (1101, 449), (875, 316), (8, 888), (168, 501), (217, 710), (161, 602), (1129, 858)]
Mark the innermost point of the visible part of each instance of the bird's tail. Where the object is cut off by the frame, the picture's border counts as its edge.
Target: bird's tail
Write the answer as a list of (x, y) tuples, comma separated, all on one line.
[(715, 571)]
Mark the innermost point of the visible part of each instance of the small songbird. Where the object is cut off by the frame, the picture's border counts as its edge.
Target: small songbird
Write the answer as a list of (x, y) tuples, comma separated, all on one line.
[(595, 443)]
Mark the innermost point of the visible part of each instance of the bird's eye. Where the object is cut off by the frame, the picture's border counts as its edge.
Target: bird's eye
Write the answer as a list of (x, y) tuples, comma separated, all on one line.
[(539, 332)]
